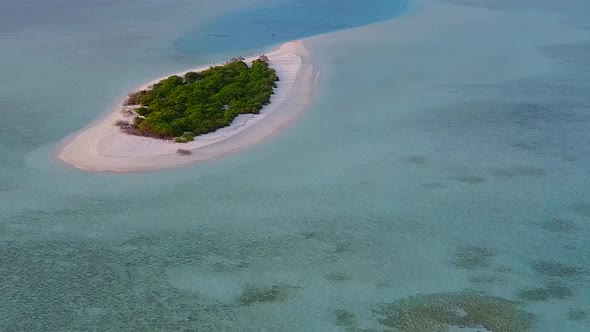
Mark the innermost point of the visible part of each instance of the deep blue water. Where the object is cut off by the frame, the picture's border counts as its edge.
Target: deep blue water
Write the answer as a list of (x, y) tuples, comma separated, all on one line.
[(281, 21)]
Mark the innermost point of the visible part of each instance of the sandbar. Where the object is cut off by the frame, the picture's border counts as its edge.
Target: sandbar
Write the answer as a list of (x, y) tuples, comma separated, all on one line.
[(102, 147)]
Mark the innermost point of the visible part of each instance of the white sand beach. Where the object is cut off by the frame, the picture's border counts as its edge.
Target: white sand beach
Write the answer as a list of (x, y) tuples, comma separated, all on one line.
[(102, 147)]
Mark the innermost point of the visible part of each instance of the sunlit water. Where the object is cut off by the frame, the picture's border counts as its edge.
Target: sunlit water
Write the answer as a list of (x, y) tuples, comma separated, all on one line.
[(446, 152)]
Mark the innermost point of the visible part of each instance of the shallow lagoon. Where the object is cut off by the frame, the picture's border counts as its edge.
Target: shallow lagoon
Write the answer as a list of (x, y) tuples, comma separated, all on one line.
[(424, 167)]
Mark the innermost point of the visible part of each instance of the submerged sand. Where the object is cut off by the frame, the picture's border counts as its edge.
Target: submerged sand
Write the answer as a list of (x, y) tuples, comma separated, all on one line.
[(103, 147)]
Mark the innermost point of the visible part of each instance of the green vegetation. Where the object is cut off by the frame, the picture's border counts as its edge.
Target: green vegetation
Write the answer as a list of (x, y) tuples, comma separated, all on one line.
[(185, 138), (199, 103)]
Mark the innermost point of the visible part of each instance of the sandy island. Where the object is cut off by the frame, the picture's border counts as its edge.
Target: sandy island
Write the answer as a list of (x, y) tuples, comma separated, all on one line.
[(102, 147)]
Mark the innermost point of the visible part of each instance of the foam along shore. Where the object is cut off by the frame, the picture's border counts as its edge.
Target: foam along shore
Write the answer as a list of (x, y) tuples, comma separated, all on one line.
[(102, 147)]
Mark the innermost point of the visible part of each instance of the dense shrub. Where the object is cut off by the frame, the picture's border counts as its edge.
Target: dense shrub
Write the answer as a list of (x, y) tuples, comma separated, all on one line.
[(185, 138), (192, 77), (199, 103), (134, 98), (143, 111)]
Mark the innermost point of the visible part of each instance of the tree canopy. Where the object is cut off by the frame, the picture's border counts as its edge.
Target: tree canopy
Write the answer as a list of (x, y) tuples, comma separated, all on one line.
[(202, 102)]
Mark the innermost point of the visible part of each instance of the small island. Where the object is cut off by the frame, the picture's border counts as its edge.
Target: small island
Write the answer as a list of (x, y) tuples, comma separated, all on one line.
[(198, 115), (181, 108)]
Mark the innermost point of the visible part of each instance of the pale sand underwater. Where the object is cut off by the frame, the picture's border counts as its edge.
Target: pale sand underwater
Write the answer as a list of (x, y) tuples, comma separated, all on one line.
[(103, 147)]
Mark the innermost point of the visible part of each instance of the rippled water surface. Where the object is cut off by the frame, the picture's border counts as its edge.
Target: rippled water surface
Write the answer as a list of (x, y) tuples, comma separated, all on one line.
[(440, 178)]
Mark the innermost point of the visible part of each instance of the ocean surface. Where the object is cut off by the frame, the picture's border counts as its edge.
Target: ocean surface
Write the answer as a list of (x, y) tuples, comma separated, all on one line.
[(441, 176)]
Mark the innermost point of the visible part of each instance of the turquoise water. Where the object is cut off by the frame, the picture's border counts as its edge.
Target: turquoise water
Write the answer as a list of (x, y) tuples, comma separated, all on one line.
[(446, 151), (282, 21)]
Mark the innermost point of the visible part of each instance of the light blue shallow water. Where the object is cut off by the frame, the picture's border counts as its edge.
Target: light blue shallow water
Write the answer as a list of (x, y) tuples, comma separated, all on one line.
[(446, 151)]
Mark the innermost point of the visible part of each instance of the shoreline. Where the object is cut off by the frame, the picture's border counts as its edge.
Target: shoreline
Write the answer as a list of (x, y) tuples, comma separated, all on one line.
[(102, 147)]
